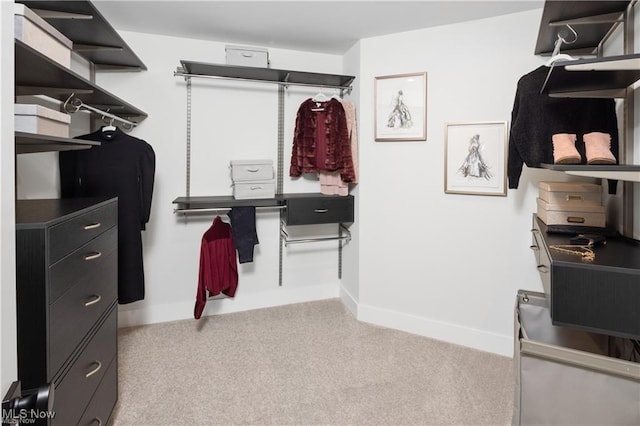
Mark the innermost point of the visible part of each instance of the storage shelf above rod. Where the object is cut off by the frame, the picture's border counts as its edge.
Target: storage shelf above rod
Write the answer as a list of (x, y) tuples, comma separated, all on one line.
[(268, 75)]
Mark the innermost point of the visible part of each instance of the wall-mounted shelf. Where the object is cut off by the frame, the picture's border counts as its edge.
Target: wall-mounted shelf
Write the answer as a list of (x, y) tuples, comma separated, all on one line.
[(592, 20), (30, 143), (607, 77), (629, 173), (206, 204), (284, 77), (36, 74), (93, 37)]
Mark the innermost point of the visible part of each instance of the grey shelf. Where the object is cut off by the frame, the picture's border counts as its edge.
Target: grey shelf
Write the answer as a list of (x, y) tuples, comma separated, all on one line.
[(27, 143), (36, 74), (592, 20), (630, 173), (272, 75), (93, 37)]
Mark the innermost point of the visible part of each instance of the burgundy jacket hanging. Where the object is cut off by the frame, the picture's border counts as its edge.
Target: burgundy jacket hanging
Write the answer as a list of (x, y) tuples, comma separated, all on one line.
[(122, 166), (321, 140), (218, 265)]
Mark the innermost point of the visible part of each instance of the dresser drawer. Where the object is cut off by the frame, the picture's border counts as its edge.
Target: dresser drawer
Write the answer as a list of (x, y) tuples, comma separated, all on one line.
[(78, 385), (77, 310), (104, 400), (319, 209), (69, 235), (85, 261)]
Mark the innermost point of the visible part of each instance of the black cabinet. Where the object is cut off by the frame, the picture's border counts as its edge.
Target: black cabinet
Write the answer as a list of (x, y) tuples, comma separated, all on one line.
[(66, 292), (305, 209), (600, 295)]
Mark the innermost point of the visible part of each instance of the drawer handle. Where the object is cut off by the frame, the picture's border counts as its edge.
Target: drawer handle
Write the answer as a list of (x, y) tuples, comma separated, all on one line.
[(96, 299), (96, 421), (92, 226), (574, 197), (253, 188), (575, 219), (93, 256), (534, 247), (321, 210), (95, 370), (543, 268), (253, 170)]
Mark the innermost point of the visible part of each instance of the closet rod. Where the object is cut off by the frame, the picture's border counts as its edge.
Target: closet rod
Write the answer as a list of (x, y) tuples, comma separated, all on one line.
[(288, 240), (221, 209), (77, 104), (281, 83)]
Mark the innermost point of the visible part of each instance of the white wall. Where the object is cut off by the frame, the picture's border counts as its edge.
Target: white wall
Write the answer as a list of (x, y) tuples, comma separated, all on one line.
[(443, 265), (8, 355)]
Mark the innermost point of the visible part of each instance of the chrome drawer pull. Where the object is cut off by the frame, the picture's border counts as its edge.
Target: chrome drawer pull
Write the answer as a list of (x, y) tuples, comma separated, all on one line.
[(92, 226), (253, 170), (321, 210), (93, 256), (96, 421), (95, 370), (93, 301), (543, 269)]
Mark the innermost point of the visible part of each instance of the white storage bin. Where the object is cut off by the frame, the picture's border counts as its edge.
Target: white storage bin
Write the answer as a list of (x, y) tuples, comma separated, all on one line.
[(249, 190), (572, 214), (35, 32), (42, 121), (247, 56), (251, 170), (570, 192)]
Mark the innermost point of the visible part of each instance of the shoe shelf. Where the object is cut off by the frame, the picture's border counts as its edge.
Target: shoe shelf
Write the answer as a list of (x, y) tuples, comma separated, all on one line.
[(629, 173)]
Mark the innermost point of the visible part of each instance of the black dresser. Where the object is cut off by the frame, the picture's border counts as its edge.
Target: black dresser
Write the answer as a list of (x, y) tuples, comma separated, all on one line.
[(67, 290)]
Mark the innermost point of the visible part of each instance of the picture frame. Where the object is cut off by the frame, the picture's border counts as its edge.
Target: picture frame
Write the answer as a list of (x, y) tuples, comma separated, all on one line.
[(400, 112), (476, 158)]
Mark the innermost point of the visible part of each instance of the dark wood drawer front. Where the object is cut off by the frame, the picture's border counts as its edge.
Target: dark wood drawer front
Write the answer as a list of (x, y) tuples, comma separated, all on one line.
[(82, 263), (77, 311), (68, 236), (309, 211), (74, 391), (104, 400)]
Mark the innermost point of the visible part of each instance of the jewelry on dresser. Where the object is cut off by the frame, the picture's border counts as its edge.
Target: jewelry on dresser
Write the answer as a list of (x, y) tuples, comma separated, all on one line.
[(587, 254)]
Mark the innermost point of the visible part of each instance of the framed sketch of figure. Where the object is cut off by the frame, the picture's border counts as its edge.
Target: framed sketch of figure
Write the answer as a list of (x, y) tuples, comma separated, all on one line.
[(401, 107), (475, 158)]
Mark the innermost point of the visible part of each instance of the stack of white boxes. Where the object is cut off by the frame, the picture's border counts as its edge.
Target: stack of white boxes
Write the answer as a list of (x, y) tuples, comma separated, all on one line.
[(571, 203), (252, 179)]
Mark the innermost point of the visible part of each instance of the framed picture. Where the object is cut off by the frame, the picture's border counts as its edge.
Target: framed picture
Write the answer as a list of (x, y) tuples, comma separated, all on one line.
[(401, 107), (476, 158)]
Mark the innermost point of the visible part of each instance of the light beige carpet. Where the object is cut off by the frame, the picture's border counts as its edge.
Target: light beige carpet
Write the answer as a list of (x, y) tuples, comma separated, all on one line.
[(303, 364)]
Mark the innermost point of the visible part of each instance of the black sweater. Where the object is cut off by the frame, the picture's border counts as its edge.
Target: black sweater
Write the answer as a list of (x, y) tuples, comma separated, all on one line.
[(537, 117)]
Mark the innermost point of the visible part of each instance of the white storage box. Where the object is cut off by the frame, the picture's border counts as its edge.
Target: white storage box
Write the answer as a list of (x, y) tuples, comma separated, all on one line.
[(570, 192), (572, 214), (259, 189), (247, 56), (35, 32), (251, 170), (42, 121)]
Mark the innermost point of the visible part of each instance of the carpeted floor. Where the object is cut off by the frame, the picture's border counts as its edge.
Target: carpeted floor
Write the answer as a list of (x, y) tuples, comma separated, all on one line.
[(302, 364)]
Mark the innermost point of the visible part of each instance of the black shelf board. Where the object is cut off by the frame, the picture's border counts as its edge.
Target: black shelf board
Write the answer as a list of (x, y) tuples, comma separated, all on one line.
[(225, 201), (94, 32), (30, 143), (592, 167), (589, 35), (266, 74), (564, 80), (36, 71)]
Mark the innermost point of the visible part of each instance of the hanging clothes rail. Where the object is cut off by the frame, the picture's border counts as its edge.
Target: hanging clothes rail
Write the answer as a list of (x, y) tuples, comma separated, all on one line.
[(288, 240), (73, 105), (221, 210)]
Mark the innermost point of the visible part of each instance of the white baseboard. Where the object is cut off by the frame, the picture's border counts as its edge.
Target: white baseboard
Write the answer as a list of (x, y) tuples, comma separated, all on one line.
[(215, 306), (349, 301), (451, 333)]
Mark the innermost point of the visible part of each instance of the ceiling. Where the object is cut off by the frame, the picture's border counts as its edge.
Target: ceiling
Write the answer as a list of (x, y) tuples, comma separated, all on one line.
[(315, 26)]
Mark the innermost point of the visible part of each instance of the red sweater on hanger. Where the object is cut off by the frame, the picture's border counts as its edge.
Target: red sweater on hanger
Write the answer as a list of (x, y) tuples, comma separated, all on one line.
[(218, 265)]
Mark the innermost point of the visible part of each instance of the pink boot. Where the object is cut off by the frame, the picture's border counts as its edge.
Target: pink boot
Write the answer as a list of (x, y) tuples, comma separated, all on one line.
[(598, 148), (564, 149)]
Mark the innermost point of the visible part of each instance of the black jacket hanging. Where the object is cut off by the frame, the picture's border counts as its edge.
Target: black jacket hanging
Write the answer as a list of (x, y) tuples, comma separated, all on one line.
[(122, 166)]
